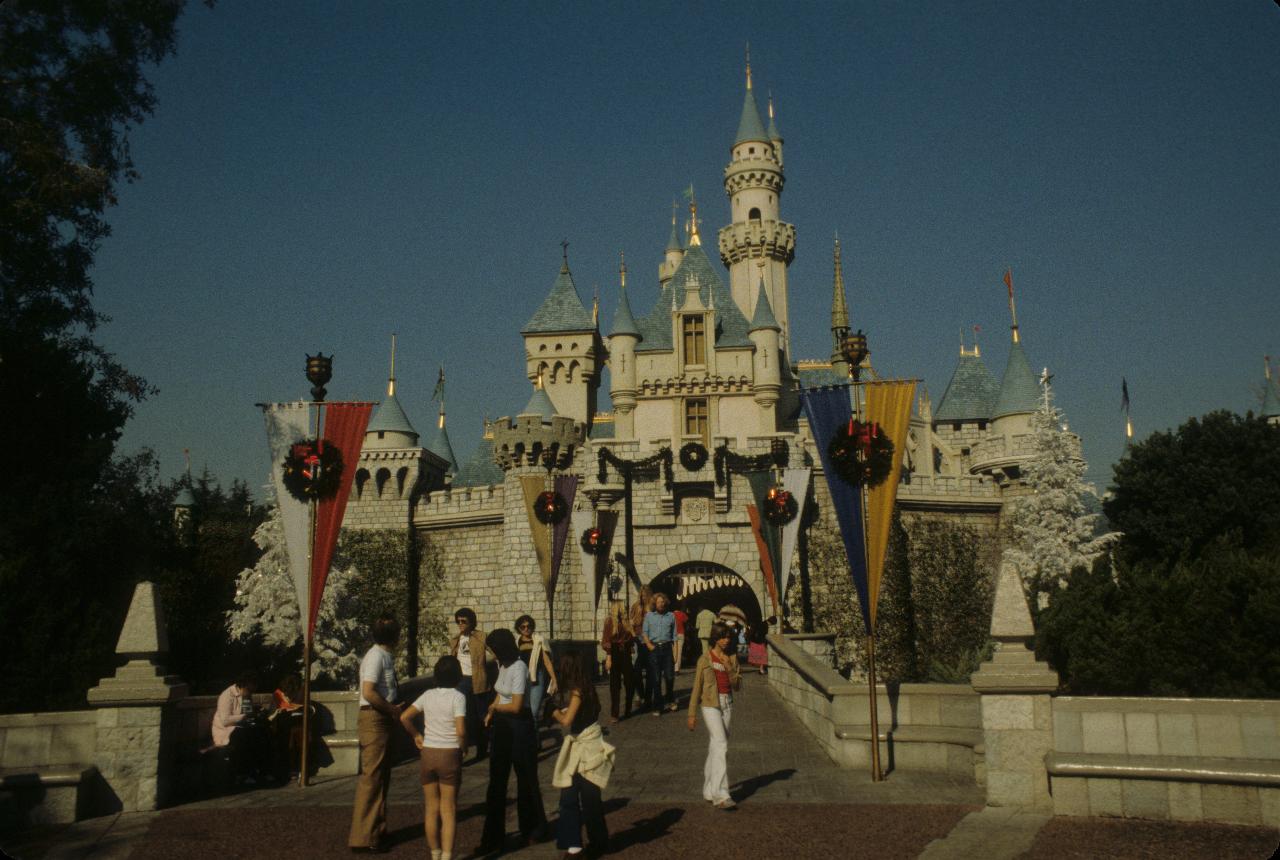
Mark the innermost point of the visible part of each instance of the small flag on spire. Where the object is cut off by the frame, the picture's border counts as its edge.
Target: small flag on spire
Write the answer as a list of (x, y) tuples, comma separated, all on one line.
[(1008, 281), (438, 393)]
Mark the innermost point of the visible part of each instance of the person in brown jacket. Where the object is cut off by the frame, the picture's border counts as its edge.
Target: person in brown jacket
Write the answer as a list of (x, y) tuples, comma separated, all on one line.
[(640, 666), (470, 649), (616, 642), (717, 676)]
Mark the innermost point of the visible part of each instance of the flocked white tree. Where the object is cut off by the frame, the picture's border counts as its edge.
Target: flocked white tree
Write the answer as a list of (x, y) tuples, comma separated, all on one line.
[(267, 606), (1050, 530)]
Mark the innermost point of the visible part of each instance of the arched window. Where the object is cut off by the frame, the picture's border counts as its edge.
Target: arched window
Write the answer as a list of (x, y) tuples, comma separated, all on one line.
[(381, 479), (362, 478), (754, 214), (401, 475)]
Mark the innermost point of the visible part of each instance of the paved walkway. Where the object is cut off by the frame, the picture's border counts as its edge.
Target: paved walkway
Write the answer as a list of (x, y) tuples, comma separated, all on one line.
[(794, 802)]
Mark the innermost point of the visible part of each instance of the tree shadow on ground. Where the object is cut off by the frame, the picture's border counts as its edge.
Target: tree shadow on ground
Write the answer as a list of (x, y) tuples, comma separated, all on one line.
[(642, 830), (748, 787)]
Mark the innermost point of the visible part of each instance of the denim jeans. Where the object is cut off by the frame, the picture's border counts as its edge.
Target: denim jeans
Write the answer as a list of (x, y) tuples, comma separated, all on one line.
[(580, 804), (661, 671), (514, 746), (538, 693)]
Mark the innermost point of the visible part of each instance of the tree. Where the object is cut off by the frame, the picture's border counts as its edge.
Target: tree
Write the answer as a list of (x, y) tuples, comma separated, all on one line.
[(266, 608), (77, 528), (952, 589), (1176, 492), (1050, 531)]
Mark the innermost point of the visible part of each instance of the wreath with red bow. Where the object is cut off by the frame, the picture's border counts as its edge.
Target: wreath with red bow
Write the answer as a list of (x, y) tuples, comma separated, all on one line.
[(861, 453), (593, 541), (550, 508), (780, 506), (313, 470)]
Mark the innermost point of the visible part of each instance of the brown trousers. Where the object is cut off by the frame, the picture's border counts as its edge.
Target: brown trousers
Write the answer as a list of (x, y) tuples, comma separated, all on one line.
[(369, 817)]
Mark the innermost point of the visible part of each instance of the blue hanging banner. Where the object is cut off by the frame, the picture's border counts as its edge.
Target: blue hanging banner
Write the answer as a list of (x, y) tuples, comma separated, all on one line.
[(828, 410)]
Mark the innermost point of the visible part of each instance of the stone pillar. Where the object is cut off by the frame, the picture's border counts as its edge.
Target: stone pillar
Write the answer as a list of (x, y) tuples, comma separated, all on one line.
[(135, 718), (1017, 715)]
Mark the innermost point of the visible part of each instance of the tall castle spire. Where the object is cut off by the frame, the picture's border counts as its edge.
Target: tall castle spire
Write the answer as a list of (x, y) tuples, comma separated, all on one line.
[(839, 304)]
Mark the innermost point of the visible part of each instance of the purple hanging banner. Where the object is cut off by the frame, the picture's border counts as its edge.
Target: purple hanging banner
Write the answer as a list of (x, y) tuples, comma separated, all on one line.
[(566, 486)]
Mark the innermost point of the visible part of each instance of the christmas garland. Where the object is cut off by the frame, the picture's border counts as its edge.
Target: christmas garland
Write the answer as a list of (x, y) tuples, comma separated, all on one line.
[(593, 541), (693, 456), (550, 508), (310, 473), (779, 506), (662, 458), (727, 461), (861, 453)]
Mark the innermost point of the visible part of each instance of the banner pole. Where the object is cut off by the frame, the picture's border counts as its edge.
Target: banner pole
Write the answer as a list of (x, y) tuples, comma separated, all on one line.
[(306, 655), (876, 775)]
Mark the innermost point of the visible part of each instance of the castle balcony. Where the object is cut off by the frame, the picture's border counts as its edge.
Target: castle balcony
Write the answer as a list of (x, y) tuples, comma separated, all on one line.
[(1002, 456), (949, 493), (744, 240)]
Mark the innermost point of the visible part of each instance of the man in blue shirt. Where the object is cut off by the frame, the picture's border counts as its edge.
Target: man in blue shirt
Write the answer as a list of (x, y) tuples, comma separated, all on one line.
[(659, 635)]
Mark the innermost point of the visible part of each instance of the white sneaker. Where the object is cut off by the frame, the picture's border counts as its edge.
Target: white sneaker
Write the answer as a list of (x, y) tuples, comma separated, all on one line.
[(726, 803)]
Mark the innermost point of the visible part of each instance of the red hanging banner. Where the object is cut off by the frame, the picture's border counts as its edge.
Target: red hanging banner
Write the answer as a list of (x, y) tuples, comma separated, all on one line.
[(344, 428)]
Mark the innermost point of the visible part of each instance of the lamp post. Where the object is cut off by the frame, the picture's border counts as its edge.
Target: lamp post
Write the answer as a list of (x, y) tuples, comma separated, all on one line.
[(855, 351), (319, 372)]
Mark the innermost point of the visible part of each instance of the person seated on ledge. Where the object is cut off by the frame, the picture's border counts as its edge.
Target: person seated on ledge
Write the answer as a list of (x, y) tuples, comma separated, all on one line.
[(285, 724), (235, 726)]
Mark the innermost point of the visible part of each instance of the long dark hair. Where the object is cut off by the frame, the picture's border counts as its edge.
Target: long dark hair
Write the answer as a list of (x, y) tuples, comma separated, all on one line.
[(572, 677), (502, 642)]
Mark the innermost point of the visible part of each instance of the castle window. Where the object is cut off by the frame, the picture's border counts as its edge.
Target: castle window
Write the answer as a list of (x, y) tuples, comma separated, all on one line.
[(754, 215), (751, 150), (695, 419), (695, 339)]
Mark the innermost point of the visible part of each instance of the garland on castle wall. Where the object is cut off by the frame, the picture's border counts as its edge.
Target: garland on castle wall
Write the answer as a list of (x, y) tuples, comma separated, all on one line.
[(727, 461), (310, 473), (693, 456), (861, 453), (662, 458)]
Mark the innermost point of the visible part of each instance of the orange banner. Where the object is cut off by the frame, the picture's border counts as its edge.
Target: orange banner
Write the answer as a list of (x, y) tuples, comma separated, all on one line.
[(766, 562), (889, 405), (532, 485)]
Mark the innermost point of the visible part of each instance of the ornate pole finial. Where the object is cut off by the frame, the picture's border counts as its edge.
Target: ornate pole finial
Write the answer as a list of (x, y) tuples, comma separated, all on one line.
[(770, 105), (622, 258), (564, 251), (438, 394), (748, 65), (1013, 311)]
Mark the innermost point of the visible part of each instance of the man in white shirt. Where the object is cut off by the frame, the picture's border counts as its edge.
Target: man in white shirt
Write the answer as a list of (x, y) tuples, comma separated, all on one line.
[(378, 715)]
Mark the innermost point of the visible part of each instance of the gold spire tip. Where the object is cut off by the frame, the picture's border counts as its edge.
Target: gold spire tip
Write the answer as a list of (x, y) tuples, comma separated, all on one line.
[(391, 378), (748, 65)]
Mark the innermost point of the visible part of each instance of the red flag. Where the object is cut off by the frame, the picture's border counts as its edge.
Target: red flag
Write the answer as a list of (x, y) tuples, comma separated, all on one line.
[(1008, 281), (766, 560), (344, 426)]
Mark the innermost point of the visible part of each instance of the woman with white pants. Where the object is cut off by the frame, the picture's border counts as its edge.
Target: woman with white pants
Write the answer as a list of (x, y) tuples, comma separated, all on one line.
[(717, 676)]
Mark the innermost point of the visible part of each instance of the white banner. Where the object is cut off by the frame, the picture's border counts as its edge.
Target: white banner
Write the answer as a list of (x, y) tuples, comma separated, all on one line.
[(580, 521), (288, 423), (795, 482)]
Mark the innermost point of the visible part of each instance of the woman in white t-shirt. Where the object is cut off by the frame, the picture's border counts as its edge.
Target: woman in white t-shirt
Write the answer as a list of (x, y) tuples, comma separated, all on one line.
[(443, 736), (514, 744)]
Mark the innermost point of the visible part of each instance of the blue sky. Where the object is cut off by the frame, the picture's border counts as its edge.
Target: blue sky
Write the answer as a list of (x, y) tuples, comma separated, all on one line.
[(318, 176)]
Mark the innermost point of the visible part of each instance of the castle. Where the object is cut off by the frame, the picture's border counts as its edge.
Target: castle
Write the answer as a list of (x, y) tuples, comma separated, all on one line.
[(709, 362)]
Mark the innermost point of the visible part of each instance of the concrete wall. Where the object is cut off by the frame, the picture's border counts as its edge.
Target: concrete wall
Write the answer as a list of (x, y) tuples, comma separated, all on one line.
[(923, 727), (1180, 759), (36, 740)]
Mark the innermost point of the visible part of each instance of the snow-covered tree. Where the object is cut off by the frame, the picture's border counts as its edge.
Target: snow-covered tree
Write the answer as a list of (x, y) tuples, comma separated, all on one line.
[(267, 606), (1050, 530)]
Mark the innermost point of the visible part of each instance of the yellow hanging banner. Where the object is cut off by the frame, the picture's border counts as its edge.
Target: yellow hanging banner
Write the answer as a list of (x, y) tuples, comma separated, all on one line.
[(533, 485), (888, 405)]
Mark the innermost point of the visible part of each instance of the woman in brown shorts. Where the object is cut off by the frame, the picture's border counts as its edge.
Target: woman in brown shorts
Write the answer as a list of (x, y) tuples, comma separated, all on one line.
[(443, 737)]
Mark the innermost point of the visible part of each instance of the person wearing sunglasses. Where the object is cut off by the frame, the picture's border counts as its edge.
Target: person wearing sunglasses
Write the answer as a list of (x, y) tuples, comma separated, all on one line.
[(469, 646)]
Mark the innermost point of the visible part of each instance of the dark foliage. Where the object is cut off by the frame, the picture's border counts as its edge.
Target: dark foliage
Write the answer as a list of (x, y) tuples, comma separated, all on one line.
[(1177, 492), (77, 529)]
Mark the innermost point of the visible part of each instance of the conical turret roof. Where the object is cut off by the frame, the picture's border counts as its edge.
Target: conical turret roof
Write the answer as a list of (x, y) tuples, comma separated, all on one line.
[(624, 322), (972, 392), (1270, 398), (749, 126), (763, 317), (441, 448), (561, 310), (540, 404), (1018, 389), (480, 470), (673, 241), (390, 418)]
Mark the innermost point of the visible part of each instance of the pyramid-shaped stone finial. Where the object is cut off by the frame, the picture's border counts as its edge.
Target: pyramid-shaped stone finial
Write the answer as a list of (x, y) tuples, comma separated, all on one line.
[(1013, 668), (144, 633), (143, 639)]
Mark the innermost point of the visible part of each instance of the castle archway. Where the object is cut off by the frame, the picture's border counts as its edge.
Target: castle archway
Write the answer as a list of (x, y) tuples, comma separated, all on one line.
[(694, 586)]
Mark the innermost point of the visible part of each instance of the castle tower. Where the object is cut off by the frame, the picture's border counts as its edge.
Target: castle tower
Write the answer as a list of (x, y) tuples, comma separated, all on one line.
[(563, 348), (753, 180), (622, 360), (766, 363), (390, 427)]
